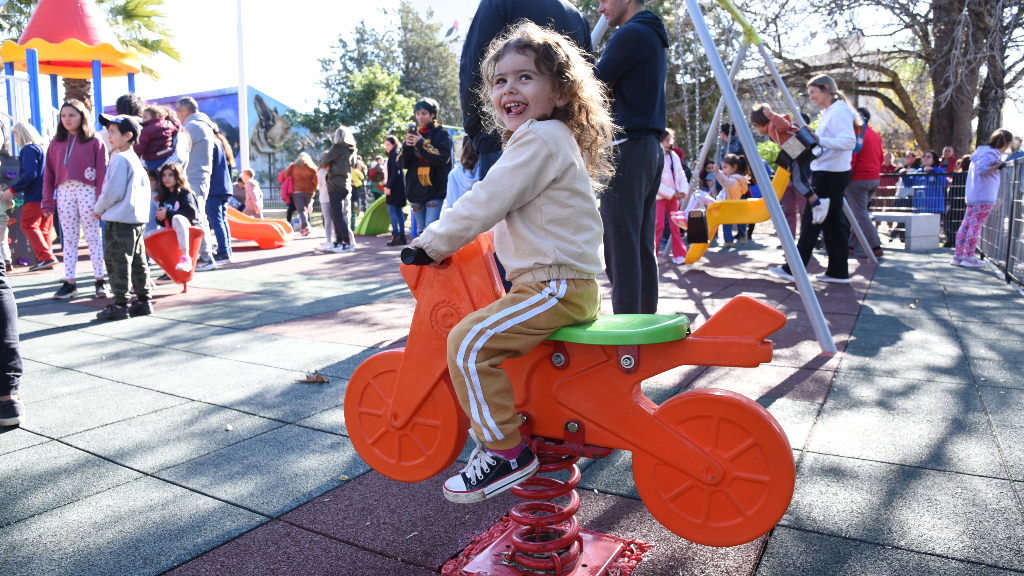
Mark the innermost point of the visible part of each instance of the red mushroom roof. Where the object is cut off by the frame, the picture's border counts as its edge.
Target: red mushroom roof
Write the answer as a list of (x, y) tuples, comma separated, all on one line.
[(58, 20)]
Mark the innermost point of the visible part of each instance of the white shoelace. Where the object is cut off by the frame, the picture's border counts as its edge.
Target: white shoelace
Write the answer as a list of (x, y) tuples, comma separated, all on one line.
[(480, 460)]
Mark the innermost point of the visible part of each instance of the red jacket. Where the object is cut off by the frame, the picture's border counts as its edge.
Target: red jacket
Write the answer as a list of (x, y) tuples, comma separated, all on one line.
[(867, 164), (157, 139)]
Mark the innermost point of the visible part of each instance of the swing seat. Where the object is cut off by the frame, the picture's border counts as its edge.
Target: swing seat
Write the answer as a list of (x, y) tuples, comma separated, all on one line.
[(749, 211), (626, 330)]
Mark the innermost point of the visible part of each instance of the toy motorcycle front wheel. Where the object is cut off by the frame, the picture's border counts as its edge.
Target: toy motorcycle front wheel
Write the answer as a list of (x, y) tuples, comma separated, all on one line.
[(426, 446), (759, 470)]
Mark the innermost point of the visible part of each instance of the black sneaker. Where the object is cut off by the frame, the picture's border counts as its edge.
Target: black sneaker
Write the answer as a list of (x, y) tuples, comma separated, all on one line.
[(101, 288), (113, 312), (165, 279), (488, 474), (140, 308), (44, 265), (12, 412), (67, 291), (206, 265)]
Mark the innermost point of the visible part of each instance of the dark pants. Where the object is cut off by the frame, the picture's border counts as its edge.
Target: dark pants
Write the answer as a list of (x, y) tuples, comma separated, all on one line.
[(835, 228), (10, 355), (124, 253), (217, 214), (339, 216), (628, 211)]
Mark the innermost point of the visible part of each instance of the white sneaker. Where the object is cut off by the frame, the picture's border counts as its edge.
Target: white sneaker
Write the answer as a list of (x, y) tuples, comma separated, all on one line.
[(972, 262), (778, 271), (339, 249), (826, 278), (956, 261), (819, 212), (678, 259)]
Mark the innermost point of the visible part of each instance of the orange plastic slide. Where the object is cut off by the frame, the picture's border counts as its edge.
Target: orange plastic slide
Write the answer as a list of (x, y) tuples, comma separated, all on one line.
[(266, 233)]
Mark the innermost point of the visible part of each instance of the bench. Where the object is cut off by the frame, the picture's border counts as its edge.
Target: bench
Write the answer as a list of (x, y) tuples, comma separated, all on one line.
[(922, 230)]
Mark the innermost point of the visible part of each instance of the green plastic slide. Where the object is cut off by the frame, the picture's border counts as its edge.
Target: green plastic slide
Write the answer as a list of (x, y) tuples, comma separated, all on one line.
[(375, 220)]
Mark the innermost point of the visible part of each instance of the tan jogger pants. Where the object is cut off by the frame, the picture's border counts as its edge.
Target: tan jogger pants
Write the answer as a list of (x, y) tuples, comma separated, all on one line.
[(510, 328)]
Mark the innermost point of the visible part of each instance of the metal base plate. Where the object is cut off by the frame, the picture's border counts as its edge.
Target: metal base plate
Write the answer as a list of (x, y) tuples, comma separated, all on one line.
[(598, 552)]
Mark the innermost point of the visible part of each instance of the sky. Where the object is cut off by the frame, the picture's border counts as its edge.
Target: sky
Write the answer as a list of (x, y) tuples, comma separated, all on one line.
[(282, 47)]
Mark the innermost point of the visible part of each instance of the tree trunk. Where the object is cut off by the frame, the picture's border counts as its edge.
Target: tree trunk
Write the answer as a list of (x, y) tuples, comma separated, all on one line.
[(75, 89), (993, 93), (954, 73)]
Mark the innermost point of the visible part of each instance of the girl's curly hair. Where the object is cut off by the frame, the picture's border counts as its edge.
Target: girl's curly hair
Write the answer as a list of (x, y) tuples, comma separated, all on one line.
[(588, 113)]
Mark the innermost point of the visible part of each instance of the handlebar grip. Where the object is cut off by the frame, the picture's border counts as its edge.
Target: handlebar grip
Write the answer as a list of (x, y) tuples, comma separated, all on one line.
[(415, 257)]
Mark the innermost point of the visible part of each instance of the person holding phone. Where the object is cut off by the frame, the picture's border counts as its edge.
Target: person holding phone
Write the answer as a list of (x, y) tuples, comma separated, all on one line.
[(427, 159)]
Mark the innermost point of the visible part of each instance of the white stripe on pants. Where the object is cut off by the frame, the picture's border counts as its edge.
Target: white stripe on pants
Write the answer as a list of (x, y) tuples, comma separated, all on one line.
[(75, 202)]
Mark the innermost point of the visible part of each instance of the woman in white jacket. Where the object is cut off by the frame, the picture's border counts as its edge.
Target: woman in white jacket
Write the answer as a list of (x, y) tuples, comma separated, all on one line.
[(673, 189), (830, 176)]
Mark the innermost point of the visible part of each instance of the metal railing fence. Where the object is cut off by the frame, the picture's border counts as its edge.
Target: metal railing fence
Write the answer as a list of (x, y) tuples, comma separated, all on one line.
[(1001, 241)]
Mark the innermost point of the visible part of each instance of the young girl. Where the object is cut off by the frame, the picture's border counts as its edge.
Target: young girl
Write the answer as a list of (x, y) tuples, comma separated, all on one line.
[(156, 143), (674, 188), (76, 164), (931, 198), (253, 194), (178, 208), (34, 224), (735, 180), (982, 191), (462, 178), (539, 198)]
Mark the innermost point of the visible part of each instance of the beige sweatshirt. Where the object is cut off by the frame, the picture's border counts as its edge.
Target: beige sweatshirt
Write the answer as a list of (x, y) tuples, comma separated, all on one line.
[(539, 200)]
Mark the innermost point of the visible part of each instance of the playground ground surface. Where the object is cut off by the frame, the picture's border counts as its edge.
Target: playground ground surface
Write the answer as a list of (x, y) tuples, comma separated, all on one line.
[(181, 443)]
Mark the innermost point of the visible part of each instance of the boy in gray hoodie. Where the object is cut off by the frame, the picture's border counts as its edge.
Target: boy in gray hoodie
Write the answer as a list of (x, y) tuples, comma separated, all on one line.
[(124, 208)]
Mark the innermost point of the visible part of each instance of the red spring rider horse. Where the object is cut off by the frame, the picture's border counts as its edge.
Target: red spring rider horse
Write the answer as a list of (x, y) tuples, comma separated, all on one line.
[(710, 465)]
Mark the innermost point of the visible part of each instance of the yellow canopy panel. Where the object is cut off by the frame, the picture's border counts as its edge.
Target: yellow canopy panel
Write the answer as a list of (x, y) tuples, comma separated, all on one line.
[(73, 59)]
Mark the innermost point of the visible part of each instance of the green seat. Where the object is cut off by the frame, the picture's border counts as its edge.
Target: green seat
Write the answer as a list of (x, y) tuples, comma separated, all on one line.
[(626, 330)]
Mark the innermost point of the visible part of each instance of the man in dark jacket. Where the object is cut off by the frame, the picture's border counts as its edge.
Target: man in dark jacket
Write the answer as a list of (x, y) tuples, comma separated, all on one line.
[(492, 16), (634, 66), (427, 159)]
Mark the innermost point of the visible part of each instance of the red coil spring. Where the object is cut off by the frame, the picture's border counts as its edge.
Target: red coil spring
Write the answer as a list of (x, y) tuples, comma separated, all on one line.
[(548, 537)]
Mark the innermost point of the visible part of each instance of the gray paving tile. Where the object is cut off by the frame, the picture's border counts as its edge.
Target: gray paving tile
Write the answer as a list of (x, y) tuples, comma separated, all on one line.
[(892, 327), (905, 363), (990, 315), (286, 401), (998, 373), (207, 376), (611, 475), (853, 391), (1011, 440), (13, 438), (976, 331), (66, 415), (958, 516), (953, 444), (800, 553), (49, 475), (796, 417), (39, 385), (274, 472), (333, 421), (1006, 349), (241, 318), (169, 437), (1004, 405), (140, 528), (59, 314)]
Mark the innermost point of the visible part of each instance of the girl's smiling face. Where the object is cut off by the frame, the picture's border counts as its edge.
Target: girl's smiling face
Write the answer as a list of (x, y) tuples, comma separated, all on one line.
[(520, 92), (729, 169)]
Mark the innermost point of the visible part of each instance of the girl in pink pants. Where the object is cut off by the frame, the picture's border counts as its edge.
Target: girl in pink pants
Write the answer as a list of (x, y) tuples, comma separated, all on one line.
[(981, 193)]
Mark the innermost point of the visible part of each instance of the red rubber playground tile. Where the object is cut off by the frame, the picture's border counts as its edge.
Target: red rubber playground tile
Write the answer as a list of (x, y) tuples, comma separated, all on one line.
[(280, 549), (171, 296)]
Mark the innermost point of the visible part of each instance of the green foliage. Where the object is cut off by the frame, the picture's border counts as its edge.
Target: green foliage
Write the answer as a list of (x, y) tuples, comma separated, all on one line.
[(378, 75), (769, 151), (372, 105), (137, 24)]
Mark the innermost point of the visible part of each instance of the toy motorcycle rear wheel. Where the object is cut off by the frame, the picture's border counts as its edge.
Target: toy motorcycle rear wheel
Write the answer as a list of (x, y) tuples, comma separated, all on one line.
[(759, 470), (426, 446)]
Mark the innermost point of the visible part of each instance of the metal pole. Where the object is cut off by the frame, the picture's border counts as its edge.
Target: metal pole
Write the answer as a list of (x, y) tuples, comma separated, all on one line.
[(53, 90), (799, 121), (9, 71), (243, 100), (796, 265), (131, 83), (97, 89), (35, 109), (600, 29), (706, 148)]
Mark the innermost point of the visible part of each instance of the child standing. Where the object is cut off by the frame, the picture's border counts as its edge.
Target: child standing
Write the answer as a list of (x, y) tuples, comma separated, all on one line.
[(123, 206), (462, 178), (253, 195), (674, 187), (539, 198), (178, 208), (982, 191), (735, 182), (76, 163)]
